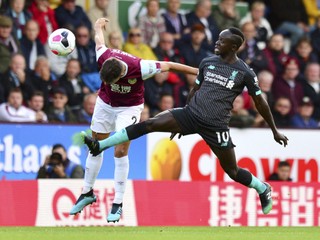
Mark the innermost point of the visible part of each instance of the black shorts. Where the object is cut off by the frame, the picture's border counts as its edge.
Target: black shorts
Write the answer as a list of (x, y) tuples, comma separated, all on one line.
[(189, 124)]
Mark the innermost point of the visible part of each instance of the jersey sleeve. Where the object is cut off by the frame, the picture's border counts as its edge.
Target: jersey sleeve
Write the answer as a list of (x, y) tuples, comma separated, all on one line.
[(252, 83), (100, 51), (149, 68)]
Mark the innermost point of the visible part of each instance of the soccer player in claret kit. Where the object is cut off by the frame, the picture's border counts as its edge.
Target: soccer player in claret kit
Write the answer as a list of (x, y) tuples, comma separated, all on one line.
[(119, 104), (221, 78)]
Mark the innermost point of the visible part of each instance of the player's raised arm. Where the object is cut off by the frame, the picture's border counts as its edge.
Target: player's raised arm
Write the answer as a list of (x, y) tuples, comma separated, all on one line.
[(99, 25), (178, 67)]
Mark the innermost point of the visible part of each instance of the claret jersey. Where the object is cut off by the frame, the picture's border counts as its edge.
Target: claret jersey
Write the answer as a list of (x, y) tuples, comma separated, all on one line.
[(220, 83), (129, 90)]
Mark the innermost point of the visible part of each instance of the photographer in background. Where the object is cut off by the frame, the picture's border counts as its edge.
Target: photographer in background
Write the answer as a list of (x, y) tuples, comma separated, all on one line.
[(65, 169), (53, 167)]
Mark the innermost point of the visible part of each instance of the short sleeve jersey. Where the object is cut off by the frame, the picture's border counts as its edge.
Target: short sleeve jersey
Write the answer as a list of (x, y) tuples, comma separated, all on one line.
[(129, 90), (220, 84)]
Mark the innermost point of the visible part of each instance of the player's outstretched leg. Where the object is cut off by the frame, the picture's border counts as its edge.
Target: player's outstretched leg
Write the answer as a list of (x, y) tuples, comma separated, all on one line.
[(83, 200), (115, 213)]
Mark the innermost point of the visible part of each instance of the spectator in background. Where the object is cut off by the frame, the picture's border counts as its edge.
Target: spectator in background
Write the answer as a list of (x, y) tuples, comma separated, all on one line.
[(281, 112), (115, 40), (240, 116), (289, 17), (71, 16), (312, 10), (165, 51), (86, 50), (135, 46), (59, 111), (100, 9), (17, 77), (282, 173), (315, 37), (52, 168), (265, 83), (31, 46), (72, 169), (61, 166), (287, 85), (303, 52), (193, 51), (8, 43), (1, 93), (262, 25), (311, 87), (202, 15), (166, 102), (36, 103), (249, 51), (226, 14), (152, 24), (72, 82), (274, 52), (15, 111), (43, 79), (85, 113), (19, 15), (45, 17), (174, 21), (303, 118), (154, 88)]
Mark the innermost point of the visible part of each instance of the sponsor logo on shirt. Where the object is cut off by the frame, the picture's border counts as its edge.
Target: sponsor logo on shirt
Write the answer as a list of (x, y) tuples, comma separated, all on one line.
[(132, 81), (120, 88)]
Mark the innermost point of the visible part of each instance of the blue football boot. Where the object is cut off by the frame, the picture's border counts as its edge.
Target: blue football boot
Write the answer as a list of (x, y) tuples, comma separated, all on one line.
[(83, 200), (115, 213)]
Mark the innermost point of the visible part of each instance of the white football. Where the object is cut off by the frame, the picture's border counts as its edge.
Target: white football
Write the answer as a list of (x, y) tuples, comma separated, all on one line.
[(62, 42)]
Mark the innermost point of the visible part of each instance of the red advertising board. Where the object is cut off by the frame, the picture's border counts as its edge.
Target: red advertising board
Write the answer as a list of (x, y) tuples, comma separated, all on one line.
[(159, 203)]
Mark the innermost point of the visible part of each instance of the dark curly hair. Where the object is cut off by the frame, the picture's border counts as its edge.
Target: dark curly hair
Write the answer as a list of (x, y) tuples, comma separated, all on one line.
[(111, 70)]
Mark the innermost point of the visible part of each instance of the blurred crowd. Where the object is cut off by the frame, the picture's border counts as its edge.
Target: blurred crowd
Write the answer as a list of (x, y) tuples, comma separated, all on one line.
[(282, 46)]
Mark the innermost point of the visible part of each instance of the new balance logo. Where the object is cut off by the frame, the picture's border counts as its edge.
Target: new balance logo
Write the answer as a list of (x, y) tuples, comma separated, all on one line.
[(269, 195)]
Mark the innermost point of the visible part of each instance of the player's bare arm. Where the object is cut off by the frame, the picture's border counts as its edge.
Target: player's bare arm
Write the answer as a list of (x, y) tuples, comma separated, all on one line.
[(263, 108), (99, 26), (178, 67)]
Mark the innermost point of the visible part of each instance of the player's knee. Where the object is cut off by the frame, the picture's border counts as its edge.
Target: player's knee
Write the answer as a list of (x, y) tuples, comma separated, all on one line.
[(232, 173)]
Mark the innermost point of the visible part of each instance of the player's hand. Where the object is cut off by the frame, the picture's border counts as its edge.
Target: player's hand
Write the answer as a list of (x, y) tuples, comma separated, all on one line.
[(281, 139), (101, 23), (174, 134)]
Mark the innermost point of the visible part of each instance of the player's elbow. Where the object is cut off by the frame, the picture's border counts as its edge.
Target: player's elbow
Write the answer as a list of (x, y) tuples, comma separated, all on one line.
[(166, 66)]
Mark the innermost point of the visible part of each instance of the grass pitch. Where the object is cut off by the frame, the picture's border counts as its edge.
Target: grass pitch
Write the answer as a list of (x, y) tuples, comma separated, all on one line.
[(161, 233)]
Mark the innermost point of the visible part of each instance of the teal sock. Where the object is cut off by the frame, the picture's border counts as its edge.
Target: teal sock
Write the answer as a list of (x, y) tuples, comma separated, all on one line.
[(259, 186), (117, 138)]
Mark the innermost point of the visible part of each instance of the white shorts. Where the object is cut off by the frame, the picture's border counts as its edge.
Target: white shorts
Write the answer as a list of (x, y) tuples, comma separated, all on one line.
[(107, 119)]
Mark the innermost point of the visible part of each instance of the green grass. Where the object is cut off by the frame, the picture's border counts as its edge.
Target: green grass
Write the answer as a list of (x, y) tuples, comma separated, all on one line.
[(155, 233)]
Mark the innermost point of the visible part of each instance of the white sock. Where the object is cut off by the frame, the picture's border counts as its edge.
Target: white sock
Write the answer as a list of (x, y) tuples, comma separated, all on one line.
[(93, 165), (121, 172)]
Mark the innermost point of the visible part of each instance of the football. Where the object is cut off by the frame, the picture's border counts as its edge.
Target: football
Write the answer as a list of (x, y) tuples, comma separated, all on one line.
[(62, 42)]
